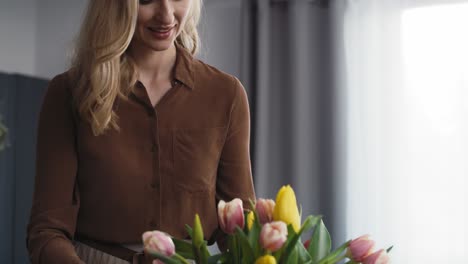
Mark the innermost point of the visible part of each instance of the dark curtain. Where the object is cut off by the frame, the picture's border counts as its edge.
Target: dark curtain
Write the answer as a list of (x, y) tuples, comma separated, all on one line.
[(283, 52), (294, 100)]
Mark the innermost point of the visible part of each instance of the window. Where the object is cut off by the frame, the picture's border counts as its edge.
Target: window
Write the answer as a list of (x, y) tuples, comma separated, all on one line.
[(406, 133), (435, 56)]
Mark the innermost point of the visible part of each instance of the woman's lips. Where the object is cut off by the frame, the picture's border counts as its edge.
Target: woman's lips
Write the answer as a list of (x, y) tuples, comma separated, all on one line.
[(162, 32)]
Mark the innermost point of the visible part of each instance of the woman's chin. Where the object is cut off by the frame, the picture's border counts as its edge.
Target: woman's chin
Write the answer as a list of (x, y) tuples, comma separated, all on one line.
[(160, 45)]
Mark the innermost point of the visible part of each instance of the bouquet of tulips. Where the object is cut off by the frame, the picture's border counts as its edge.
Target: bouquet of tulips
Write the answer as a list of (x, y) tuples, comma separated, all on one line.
[(269, 234)]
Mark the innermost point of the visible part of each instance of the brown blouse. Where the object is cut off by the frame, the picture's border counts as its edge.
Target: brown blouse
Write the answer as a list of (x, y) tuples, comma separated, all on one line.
[(167, 163)]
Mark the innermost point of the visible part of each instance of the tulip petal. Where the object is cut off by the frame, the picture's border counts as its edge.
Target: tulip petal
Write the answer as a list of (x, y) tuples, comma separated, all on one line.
[(286, 208)]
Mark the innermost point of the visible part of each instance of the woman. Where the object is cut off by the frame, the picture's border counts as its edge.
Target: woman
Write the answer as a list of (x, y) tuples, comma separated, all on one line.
[(138, 135)]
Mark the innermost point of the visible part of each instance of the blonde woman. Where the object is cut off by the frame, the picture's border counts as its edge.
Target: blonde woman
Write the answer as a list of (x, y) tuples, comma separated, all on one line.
[(138, 135)]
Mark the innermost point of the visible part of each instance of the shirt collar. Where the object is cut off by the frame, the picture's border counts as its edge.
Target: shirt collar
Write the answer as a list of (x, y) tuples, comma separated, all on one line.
[(183, 69)]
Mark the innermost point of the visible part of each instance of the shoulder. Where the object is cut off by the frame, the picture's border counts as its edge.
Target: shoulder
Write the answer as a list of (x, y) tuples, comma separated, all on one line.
[(211, 80), (59, 91), (61, 83), (215, 78)]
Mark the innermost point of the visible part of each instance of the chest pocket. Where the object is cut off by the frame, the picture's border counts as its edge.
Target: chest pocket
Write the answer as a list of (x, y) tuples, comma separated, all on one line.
[(196, 156)]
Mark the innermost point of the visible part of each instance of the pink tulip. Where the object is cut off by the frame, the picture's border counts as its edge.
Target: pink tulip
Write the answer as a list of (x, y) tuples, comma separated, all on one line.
[(265, 208), (230, 215), (360, 248), (379, 257), (273, 235), (158, 242)]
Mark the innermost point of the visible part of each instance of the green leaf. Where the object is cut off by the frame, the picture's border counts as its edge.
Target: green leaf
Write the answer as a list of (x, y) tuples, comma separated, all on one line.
[(293, 237), (304, 256), (189, 230), (218, 257), (247, 250), (320, 243), (254, 234), (389, 249), (334, 254), (252, 204), (234, 249), (204, 253), (293, 257), (200, 253), (183, 248)]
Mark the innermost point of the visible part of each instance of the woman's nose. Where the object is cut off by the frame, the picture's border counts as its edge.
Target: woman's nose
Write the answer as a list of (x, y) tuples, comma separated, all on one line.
[(164, 12)]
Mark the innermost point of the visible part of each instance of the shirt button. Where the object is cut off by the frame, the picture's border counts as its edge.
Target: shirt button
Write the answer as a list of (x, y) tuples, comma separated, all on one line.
[(154, 185), (151, 113), (153, 147), (152, 224)]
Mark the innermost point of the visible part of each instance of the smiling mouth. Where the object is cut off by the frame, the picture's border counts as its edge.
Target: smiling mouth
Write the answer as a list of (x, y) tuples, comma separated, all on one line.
[(161, 29)]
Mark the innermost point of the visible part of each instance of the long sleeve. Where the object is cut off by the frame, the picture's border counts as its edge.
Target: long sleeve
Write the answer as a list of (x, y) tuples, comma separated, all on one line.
[(234, 178), (234, 170), (56, 198)]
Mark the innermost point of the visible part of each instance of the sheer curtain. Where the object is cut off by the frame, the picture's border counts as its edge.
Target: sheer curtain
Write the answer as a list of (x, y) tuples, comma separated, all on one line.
[(403, 78)]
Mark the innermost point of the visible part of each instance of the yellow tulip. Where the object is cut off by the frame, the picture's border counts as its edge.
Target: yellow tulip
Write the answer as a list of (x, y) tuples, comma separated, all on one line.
[(267, 259), (250, 220), (286, 208)]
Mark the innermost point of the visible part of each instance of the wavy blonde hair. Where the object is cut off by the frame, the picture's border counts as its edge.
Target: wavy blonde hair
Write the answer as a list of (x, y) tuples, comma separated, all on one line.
[(101, 68)]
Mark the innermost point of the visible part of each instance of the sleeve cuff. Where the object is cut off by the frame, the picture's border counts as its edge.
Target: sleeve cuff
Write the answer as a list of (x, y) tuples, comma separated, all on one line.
[(59, 250)]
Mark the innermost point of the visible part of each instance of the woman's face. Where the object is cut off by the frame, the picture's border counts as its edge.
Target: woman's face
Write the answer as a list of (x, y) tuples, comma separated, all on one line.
[(159, 22)]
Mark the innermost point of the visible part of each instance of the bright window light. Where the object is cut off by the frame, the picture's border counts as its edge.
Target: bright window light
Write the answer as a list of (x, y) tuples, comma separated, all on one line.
[(435, 55)]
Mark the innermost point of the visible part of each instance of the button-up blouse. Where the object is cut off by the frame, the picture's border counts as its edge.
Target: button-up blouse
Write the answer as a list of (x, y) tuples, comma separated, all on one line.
[(166, 163)]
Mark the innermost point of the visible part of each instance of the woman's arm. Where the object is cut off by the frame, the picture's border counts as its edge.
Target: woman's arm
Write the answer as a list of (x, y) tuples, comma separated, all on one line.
[(234, 170), (56, 196)]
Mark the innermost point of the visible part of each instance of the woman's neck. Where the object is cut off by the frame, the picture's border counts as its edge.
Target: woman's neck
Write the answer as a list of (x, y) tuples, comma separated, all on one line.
[(153, 66)]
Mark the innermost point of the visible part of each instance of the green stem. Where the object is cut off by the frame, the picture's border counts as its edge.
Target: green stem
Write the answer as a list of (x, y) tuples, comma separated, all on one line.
[(339, 259), (233, 249), (179, 257)]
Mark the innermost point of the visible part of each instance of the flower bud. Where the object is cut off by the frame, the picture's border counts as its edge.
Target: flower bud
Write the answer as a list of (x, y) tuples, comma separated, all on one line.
[(267, 259), (360, 248), (379, 257), (273, 235), (307, 243), (197, 232), (250, 220), (158, 242), (265, 208), (230, 215), (286, 208)]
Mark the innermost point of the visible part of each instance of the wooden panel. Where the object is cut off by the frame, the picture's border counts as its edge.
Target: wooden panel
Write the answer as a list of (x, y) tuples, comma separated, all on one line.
[(29, 92), (7, 170)]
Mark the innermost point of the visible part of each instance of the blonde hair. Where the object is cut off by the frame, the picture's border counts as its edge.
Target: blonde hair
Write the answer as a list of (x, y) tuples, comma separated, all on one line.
[(101, 68)]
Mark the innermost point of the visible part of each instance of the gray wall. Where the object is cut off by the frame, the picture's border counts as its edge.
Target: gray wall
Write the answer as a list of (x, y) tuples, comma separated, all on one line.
[(18, 36), (58, 23), (222, 35), (36, 36)]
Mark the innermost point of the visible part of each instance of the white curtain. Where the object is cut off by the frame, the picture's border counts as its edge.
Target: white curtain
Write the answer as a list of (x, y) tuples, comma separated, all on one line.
[(403, 78)]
